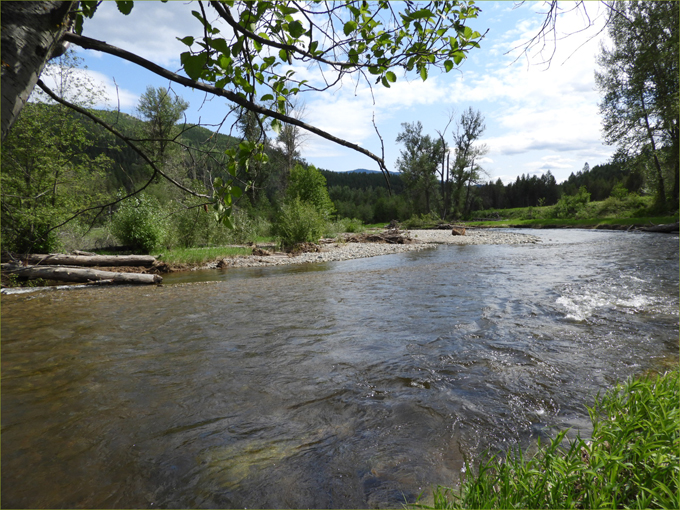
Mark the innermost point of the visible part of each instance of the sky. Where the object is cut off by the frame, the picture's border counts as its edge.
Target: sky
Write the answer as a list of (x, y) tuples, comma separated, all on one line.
[(537, 117)]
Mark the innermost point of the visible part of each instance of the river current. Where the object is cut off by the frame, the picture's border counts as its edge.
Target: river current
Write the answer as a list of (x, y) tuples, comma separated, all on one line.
[(351, 384)]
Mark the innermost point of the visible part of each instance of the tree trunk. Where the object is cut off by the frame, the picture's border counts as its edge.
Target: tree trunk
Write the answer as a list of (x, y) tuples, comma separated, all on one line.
[(660, 187), (79, 275), (91, 260), (31, 35)]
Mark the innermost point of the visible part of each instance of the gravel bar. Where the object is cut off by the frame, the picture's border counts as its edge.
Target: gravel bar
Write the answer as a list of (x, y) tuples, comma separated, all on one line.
[(425, 239)]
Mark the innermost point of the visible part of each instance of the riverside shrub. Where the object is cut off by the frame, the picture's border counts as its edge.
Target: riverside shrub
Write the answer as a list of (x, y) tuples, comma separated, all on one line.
[(299, 222), (139, 224)]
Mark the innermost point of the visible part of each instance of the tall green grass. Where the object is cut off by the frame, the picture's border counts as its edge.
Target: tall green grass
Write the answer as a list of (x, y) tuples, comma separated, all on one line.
[(632, 460), (201, 255)]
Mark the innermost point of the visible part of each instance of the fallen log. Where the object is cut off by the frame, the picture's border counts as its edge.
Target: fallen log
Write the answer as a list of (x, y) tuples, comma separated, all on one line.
[(79, 275), (666, 228), (59, 259)]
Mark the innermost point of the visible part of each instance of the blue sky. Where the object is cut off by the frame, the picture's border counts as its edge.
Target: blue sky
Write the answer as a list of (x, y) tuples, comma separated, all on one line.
[(537, 119)]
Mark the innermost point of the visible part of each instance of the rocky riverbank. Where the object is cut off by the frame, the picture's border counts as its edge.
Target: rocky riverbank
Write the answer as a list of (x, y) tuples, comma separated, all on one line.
[(335, 251)]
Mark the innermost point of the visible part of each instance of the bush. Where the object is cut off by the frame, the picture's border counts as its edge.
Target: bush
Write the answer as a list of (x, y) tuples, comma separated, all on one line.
[(570, 206), (628, 205), (309, 185), (248, 228), (29, 235), (190, 225), (423, 221), (299, 222), (344, 225), (139, 224)]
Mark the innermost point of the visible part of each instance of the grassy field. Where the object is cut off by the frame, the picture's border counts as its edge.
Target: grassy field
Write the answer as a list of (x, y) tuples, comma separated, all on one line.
[(632, 460)]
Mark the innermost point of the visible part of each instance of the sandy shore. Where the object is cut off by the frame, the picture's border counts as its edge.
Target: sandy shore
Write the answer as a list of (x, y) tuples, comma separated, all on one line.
[(425, 239)]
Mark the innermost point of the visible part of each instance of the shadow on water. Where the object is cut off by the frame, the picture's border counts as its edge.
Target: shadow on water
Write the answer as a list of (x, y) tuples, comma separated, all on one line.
[(352, 384)]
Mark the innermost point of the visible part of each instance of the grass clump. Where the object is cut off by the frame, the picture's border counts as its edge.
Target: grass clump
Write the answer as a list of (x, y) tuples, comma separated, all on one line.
[(632, 460), (201, 255)]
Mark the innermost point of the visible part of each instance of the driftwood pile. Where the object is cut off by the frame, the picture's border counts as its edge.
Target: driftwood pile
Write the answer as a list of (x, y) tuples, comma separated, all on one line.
[(390, 236), (77, 267)]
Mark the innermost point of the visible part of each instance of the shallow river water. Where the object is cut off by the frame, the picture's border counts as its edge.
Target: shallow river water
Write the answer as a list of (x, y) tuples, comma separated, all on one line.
[(350, 384)]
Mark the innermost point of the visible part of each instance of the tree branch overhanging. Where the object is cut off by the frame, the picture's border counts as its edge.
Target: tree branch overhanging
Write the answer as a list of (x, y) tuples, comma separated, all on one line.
[(93, 44)]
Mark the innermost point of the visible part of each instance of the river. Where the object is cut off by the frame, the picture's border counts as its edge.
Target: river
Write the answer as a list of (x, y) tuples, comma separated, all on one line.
[(350, 384)]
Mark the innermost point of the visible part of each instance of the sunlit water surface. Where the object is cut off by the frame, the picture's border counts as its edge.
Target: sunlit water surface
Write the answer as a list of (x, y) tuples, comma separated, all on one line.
[(350, 384)]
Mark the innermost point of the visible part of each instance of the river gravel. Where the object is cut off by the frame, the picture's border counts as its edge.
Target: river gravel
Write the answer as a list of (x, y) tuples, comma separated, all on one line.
[(425, 239)]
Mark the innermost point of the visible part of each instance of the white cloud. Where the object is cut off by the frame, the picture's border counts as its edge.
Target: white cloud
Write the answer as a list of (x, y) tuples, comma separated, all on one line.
[(113, 95), (150, 30)]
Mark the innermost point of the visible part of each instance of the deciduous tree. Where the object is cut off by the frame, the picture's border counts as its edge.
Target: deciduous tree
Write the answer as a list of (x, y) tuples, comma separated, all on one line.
[(638, 79), (418, 163), (465, 169)]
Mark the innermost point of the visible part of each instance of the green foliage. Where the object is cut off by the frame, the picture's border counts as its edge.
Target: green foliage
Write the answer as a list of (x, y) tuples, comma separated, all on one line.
[(371, 204), (201, 255), (622, 203), (423, 221), (638, 79), (161, 111), (249, 227), (189, 224), (139, 223), (418, 38), (350, 225), (418, 162), (47, 176), (363, 180), (570, 206), (632, 460), (299, 222), (309, 185)]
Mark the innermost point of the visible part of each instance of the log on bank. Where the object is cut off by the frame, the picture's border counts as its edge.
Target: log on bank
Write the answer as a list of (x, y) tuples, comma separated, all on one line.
[(60, 259), (79, 275)]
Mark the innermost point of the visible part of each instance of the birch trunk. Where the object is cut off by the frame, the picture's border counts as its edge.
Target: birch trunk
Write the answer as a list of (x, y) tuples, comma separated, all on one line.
[(31, 35)]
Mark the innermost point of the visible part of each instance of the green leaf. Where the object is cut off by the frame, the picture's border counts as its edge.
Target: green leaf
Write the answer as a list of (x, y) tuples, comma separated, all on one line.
[(276, 126), (237, 47), (422, 14), (224, 62), (79, 23), (385, 82), (219, 45), (374, 70), (350, 27), (236, 192), (390, 76), (88, 7), (448, 65), (125, 6), (283, 55), (467, 32), (296, 29), (285, 10), (187, 40), (267, 97), (423, 73), (458, 57), (193, 64)]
